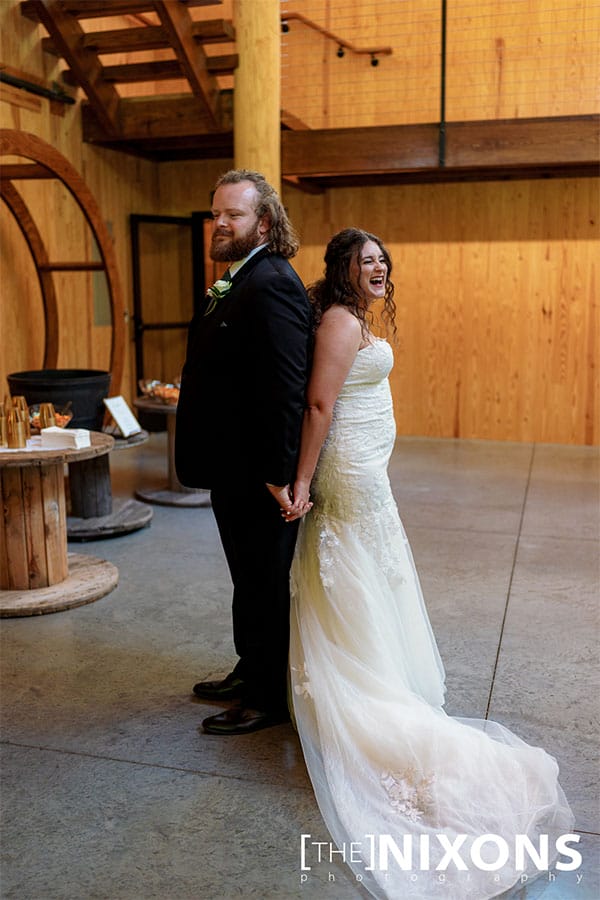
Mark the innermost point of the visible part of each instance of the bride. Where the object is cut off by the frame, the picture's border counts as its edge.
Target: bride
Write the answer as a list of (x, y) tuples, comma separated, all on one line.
[(421, 804)]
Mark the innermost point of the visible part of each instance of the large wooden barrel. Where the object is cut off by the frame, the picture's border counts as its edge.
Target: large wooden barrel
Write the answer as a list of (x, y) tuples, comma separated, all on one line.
[(85, 389)]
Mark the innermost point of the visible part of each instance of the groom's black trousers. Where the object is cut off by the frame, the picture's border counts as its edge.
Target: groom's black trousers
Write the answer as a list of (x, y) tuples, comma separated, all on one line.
[(259, 546)]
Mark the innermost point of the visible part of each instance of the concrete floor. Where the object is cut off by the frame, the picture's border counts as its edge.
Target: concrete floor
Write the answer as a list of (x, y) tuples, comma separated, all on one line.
[(111, 791)]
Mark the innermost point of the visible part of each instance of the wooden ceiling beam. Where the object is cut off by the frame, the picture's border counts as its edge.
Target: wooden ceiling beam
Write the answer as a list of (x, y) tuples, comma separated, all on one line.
[(507, 142), (560, 142), (351, 151), (176, 21), (170, 116), (151, 37), (440, 175), (67, 33)]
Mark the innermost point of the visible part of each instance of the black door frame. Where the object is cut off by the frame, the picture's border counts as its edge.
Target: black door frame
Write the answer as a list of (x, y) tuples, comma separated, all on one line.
[(140, 326)]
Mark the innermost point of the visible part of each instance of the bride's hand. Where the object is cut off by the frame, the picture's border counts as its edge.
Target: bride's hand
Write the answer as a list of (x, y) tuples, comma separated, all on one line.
[(301, 503)]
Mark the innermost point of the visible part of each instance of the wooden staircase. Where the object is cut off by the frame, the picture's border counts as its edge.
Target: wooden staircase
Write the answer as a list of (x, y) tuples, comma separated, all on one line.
[(196, 117)]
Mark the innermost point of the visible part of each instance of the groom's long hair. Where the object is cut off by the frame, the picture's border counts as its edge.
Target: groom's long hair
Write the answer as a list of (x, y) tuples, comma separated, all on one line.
[(282, 237)]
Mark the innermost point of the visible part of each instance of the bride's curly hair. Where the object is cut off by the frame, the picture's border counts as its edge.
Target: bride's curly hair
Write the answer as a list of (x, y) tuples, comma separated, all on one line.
[(337, 286)]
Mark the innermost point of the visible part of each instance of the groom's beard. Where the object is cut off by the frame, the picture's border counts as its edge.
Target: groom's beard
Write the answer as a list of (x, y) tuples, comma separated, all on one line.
[(235, 247)]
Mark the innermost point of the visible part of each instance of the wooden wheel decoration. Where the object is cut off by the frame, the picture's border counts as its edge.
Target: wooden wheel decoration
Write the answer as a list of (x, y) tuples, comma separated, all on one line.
[(47, 163)]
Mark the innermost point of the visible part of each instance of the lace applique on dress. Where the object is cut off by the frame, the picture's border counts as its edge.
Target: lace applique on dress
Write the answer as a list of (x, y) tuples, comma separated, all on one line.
[(370, 525), (302, 683), (328, 543), (408, 794)]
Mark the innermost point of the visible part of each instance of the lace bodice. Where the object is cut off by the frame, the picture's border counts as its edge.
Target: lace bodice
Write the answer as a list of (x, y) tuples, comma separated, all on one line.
[(366, 384), (351, 477)]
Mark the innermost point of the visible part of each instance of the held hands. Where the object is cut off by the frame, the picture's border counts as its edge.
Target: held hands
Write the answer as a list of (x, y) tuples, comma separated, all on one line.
[(301, 502), (293, 506)]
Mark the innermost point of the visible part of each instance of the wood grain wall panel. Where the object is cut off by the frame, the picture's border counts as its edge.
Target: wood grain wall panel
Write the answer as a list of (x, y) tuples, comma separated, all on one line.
[(164, 354), (497, 315), (186, 187), (514, 59)]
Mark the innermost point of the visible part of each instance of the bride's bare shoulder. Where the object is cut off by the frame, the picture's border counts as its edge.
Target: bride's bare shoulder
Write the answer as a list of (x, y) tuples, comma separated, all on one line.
[(339, 318)]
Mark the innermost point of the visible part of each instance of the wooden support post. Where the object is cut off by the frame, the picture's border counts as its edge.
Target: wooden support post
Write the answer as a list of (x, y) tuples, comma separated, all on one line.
[(257, 97)]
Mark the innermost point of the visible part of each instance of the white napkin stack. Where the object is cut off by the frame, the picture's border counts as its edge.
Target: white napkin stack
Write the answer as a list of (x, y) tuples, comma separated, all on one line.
[(55, 438)]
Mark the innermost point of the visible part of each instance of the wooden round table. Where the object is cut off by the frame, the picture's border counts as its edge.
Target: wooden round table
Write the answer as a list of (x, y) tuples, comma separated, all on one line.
[(174, 493), (37, 574)]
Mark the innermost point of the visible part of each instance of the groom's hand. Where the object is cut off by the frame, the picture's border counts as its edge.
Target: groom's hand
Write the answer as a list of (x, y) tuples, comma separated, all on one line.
[(292, 507), (282, 494)]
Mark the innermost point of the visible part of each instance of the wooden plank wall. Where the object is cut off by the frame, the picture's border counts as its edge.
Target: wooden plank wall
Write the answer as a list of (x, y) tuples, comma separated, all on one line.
[(519, 58), (497, 296)]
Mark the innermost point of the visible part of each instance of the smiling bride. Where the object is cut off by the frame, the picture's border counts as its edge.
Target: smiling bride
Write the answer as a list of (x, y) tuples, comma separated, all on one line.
[(367, 681)]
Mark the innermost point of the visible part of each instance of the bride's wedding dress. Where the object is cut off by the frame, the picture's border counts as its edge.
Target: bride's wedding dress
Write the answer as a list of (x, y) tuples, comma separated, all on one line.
[(367, 683)]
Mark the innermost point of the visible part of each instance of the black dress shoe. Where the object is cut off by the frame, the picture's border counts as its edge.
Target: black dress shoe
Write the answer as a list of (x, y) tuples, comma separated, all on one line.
[(241, 720), (230, 688)]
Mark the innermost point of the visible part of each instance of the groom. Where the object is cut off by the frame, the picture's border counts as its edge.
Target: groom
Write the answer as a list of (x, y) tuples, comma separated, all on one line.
[(238, 432)]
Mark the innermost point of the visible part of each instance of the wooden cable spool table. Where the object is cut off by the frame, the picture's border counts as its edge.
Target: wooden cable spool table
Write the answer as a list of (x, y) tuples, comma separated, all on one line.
[(174, 493), (37, 574), (95, 513)]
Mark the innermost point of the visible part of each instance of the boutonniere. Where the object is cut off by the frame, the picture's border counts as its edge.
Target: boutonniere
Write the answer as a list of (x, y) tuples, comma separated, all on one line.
[(216, 293)]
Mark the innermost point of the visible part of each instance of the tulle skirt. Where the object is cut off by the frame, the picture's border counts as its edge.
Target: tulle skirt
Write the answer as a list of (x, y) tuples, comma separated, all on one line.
[(433, 806)]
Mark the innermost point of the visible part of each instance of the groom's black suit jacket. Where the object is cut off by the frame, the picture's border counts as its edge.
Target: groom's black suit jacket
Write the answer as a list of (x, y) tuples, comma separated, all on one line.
[(244, 380)]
